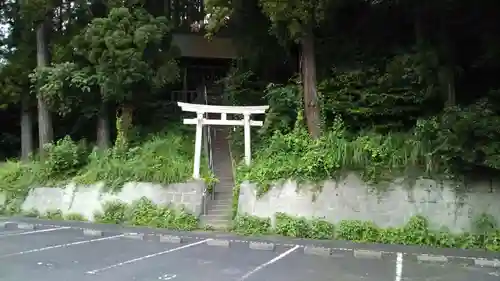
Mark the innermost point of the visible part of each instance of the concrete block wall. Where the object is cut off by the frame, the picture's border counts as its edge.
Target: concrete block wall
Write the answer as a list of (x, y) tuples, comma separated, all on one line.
[(87, 200), (352, 199)]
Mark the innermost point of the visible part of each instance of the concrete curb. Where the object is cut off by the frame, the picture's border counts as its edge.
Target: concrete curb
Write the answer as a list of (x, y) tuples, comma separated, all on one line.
[(431, 258), (261, 246), (135, 236), (170, 239), (487, 263), (219, 243), (26, 226), (307, 249), (366, 254), (317, 251), (92, 232), (17, 226)]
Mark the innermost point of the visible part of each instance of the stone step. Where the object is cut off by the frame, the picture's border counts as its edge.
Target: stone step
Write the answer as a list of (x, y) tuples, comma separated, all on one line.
[(226, 186), (219, 225), (224, 181), (220, 210), (216, 217), (220, 204), (226, 190), (226, 159), (223, 195), (223, 164), (223, 169), (222, 199)]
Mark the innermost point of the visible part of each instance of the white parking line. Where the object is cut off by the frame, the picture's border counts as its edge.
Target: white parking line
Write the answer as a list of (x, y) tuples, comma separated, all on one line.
[(60, 246), (260, 267), (399, 266), (34, 231), (95, 271)]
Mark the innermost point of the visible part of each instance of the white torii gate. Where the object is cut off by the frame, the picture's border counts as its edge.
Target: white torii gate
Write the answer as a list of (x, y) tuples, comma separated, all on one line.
[(200, 120)]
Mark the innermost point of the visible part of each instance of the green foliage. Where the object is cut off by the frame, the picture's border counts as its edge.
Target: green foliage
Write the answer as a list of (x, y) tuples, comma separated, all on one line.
[(236, 198), (113, 212), (284, 102), (16, 178), (464, 136), (54, 215), (12, 84), (295, 15), (74, 217), (291, 227), (144, 212), (62, 85), (384, 98), (115, 59), (36, 10), (220, 11), (163, 159), (374, 156), (247, 225), (129, 51), (415, 232), (363, 110), (64, 158)]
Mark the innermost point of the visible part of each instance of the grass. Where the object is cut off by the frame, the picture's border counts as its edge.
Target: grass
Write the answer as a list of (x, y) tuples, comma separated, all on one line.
[(162, 158)]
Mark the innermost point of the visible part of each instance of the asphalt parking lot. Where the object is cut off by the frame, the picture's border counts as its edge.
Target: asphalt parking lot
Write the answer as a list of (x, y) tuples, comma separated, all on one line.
[(65, 253)]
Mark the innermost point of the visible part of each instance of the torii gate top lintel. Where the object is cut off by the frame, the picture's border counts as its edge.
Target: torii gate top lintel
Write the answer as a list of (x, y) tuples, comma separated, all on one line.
[(203, 108)]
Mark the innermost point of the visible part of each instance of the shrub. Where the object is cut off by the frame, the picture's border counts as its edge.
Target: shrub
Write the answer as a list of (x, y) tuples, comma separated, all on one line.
[(144, 212), (164, 158), (374, 156), (415, 232)]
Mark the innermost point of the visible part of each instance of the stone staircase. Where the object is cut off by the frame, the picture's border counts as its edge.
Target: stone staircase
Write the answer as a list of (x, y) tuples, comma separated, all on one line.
[(219, 210)]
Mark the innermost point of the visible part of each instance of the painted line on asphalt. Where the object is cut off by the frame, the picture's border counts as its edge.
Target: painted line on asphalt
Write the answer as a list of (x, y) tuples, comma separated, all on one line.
[(260, 267), (399, 266), (34, 231), (477, 260), (95, 271), (60, 246)]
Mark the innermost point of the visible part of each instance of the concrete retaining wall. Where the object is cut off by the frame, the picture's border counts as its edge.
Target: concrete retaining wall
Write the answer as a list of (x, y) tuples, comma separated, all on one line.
[(86, 200), (351, 199)]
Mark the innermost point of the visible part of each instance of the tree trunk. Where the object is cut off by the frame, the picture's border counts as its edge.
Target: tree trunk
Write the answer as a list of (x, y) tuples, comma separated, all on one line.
[(447, 79), (419, 28), (126, 116), (447, 70), (45, 130), (176, 15), (167, 9), (103, 134), (311, 106), (26, 129)]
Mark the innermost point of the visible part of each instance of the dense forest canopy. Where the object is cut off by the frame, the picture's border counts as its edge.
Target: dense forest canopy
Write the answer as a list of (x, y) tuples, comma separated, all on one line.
[(382, 76)]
